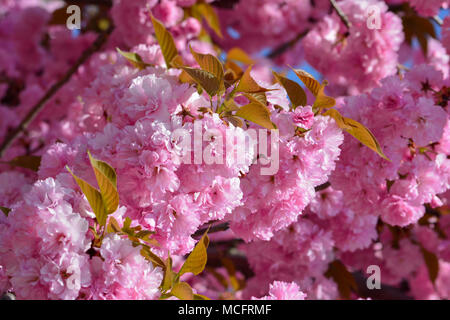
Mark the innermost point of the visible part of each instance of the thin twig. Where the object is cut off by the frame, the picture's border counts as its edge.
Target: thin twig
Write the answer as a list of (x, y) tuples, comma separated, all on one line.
[(225, 226), (107, 3), (15, 133), (341, 14), (217, 228), (322, 186), (438, 20), (232, 243), (278, 51)]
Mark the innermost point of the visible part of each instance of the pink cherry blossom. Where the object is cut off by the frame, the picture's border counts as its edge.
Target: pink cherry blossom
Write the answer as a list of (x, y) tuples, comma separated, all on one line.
[(284, 291)]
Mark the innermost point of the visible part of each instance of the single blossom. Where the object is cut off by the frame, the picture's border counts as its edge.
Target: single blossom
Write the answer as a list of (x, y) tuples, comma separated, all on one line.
[(303, 117)]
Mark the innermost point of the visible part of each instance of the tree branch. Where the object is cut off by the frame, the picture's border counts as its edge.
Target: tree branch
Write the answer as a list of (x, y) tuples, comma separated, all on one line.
[(232, 243), (15, 133), (322, 186), (217, 228), (341, 15), (278, 51)]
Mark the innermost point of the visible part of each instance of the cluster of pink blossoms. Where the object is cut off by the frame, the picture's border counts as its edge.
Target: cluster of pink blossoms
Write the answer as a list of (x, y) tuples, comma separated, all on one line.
[(416, 141), (131, 123), (44, 251), (428, 8), (300, 254), (367, 190), (262, 24), (418, 169), (35, 54), (330, 199), (273, 202), (359, 57), (283, 291), (135, 15)]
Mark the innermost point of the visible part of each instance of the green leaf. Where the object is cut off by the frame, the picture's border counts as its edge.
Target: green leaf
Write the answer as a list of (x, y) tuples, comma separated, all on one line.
[(357, 130), (106, 200), (230, 105), (113, 226), (344, 279), (231, 66), (28, 162), (127, 226), (134, 58), (317, 89), (165, 40), (177, 62), (165, 296), (324, 102), (196, 261), (248, 85), (94, 198), (295, 92), (150, 256), (336, 115), (205, 79), (432, 264), (256, 113), (232, 74), (364, 135), (235, 121), (240, 55), (144, 235), (209, 14), (230, 77), (5, 210), (312, 84), (107, 182), (182, 291), (169, 276), (259, 97), (200, 297), (211, 64)]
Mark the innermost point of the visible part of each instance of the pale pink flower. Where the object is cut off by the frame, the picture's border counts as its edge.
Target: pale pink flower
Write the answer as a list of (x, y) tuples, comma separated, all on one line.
[(283, 291), (303, 117)]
